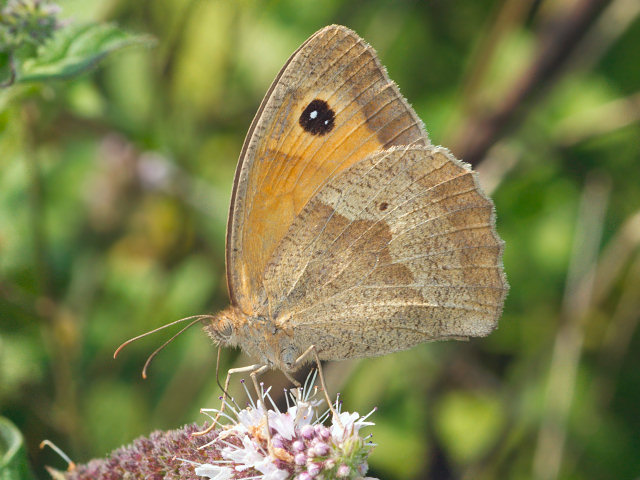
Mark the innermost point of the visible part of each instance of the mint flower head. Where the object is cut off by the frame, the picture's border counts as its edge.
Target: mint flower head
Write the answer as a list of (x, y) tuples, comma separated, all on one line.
[(27, 22), (303, 447)]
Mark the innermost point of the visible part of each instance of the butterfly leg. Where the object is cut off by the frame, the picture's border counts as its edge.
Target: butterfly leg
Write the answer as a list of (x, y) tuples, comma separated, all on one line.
[(254, 374), (249, 368), (299, 361)]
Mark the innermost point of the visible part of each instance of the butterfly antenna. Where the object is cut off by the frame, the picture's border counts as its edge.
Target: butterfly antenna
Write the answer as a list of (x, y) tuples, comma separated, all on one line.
[(194, 319), (161, 347), (131, 340)]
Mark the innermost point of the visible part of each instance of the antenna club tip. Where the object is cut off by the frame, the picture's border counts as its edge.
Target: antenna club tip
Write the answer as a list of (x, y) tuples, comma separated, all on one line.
[(120, 348)]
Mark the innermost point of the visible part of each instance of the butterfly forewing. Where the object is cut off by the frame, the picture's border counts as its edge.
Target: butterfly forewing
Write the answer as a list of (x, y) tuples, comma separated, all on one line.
[(331, 106), (398, 249)]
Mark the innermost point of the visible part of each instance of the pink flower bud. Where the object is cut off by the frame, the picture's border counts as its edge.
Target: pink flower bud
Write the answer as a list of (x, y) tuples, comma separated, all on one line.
[(313, 469), (343, 471), (322, 431), (320, 449), (307, 432), (277, 441)]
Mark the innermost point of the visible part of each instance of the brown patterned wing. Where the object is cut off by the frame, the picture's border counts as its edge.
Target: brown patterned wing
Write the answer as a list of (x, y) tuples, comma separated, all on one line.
[(399, 249), (331, 105)]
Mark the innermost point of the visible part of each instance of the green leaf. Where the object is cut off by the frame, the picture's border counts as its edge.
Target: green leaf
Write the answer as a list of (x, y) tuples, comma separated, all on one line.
[(13, 458), (76, 49)]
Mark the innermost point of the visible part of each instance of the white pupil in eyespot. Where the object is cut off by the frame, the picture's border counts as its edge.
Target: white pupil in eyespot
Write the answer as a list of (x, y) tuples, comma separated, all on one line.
[(313, 114), (326, 122)]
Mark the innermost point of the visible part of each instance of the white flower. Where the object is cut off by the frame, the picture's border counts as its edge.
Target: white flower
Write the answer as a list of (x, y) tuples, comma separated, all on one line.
[(246, 457), (283, 423), (301, 446), (214, 472), (250, 418), (271, 472)]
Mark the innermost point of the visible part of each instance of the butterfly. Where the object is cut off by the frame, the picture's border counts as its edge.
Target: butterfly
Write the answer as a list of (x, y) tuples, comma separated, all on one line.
[(348, 231), (349, 234)]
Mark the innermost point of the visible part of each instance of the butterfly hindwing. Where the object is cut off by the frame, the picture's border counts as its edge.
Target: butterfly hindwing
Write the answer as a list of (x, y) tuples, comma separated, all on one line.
[(399, 249)]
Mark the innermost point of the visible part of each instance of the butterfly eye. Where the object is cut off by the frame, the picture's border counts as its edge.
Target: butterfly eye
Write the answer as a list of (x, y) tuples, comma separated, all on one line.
[(226, 330), (221, 331), (317, 118)]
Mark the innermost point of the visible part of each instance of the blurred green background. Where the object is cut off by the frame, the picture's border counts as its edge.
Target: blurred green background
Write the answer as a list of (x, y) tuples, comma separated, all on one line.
[(114, 189)]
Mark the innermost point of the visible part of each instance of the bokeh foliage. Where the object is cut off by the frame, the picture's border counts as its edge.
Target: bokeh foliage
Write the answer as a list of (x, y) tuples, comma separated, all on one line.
[(114, 189)]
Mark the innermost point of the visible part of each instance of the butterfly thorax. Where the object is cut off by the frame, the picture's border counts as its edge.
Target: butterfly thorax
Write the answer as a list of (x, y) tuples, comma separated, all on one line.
[(259, 336)]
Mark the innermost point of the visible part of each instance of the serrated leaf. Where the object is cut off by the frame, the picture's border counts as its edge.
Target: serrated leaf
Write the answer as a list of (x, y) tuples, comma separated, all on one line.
[(76, 49), (13, 458)]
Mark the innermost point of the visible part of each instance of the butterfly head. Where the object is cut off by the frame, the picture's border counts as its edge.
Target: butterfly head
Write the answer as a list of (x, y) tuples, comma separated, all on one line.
[(258, 336), (221, 327)]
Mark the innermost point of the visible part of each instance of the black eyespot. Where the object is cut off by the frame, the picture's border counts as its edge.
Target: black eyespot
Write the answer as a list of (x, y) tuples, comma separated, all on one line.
[(383, 206), (317, 118)]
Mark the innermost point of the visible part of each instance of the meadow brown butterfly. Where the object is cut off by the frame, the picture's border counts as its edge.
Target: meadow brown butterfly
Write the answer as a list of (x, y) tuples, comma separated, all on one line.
[(349, 234), (348, 230)]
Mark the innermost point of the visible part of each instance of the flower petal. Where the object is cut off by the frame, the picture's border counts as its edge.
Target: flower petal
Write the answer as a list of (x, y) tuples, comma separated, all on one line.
[(214, 472)]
